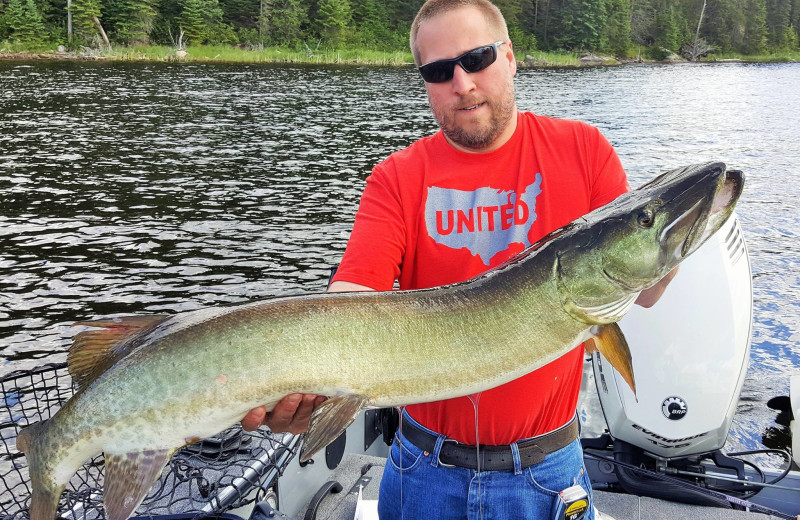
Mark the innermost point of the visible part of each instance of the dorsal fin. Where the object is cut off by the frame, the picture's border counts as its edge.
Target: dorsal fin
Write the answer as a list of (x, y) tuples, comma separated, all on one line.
[(95, 351)]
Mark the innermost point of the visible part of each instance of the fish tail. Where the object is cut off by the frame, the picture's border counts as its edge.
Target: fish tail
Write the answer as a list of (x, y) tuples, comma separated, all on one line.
[(45, 490)]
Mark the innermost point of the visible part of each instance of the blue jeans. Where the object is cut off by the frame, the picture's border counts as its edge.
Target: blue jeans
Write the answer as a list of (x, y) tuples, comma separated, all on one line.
[(424, 489)]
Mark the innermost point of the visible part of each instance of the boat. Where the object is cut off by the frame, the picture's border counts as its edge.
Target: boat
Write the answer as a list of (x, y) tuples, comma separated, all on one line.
[(656, 454)]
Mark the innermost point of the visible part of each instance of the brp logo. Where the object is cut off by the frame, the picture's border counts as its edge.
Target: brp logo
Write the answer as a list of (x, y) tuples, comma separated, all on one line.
[(674, 408)]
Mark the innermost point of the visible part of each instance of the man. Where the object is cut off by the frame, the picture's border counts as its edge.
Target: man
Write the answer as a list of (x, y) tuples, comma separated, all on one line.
[(445, 209)]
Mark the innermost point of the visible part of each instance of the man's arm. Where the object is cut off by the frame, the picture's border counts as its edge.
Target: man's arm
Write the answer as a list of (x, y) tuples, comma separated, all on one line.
[(341, 286), (291, 414)]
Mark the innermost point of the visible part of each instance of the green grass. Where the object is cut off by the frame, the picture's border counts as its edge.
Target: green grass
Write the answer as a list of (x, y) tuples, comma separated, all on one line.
[(551, 59), (773, 57), (227, 53), (29, 48)]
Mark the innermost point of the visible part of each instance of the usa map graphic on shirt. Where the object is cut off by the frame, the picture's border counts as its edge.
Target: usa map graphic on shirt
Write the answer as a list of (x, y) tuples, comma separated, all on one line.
[(485, 221)]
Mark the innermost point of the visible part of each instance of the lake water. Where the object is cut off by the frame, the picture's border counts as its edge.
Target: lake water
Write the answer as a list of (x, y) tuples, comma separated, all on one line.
[(135, 188)]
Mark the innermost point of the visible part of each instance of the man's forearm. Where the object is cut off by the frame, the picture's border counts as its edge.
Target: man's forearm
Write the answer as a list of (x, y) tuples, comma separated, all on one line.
[(348, 287)]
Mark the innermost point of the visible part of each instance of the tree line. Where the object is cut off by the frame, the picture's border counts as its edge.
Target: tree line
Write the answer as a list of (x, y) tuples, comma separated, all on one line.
[(619, 27)]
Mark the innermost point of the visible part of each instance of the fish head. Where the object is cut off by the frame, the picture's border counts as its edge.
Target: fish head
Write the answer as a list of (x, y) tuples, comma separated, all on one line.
[(631, 243), (665, 221)]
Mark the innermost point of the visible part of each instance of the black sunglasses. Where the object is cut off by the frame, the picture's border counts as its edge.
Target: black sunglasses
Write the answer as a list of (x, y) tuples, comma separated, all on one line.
[(475, 60)]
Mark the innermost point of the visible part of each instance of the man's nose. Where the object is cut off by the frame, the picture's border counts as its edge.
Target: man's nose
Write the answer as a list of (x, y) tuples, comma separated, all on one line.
[(462, 81)]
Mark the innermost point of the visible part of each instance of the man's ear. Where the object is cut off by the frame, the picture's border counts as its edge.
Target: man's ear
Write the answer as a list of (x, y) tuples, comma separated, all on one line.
[(511, 59)]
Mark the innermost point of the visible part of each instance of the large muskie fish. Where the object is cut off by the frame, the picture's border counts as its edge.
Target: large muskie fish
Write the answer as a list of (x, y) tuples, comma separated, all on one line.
[(148, 386)]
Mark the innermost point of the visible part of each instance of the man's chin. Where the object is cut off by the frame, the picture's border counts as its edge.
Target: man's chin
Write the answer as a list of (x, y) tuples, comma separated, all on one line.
[(473, 139)]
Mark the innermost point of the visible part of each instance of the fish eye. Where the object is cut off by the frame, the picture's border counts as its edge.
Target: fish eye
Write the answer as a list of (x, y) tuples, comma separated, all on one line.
[(646, 218)]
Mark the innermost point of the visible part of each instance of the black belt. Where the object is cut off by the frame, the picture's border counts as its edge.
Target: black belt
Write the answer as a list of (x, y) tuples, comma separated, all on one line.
[(492, 458)]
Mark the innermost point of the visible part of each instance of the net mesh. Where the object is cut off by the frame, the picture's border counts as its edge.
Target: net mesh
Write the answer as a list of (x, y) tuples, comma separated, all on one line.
[(208, 478)]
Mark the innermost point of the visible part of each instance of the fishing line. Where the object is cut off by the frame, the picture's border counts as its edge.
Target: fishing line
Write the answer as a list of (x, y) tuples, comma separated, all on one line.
[(475, 399), (732, 479), (398, 435), (746, 504)]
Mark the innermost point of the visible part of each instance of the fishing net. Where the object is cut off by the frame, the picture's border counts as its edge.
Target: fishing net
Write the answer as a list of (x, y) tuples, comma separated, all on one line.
[(208, 478)]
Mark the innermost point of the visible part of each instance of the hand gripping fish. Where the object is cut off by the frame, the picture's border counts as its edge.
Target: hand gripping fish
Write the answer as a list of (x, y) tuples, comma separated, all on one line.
[(148, 386)]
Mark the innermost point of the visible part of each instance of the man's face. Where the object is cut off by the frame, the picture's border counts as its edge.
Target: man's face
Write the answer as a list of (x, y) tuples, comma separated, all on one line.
[(476, 110)]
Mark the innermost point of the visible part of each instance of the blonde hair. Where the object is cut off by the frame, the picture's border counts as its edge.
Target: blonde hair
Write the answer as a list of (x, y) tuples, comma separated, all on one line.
[(432, 8)]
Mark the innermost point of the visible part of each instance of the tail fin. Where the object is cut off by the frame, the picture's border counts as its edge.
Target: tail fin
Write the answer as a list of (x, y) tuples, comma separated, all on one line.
[(45, 490)]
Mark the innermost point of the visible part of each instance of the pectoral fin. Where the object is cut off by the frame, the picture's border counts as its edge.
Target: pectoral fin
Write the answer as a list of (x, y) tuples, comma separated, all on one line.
[(128, 478), (610, 341), (329, 420)]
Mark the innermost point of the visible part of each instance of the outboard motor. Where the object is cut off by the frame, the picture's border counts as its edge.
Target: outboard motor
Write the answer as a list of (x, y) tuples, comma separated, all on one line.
[(690, 353)]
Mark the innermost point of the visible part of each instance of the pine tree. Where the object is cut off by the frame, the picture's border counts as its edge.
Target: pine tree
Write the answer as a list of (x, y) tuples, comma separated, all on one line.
[(131, 21), (192, 21), (201, 21), (263, 21), (24, 22), (288, 17), (84, 13), (241, 13), (642, 18), (666, 28), (579, 24), (755, 27), (371, 21), (333, 17), (726, 24), (778, 20), (619, 27), (402, 12), (795, 22), (165, 25), (512, 11)]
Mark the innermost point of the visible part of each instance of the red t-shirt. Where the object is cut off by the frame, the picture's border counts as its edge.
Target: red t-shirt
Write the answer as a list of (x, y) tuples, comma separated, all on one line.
[(432, 215)]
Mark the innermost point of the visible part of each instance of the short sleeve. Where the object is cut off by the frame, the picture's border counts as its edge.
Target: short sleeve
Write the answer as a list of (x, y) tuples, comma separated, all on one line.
[(376, 246), (609, 180)]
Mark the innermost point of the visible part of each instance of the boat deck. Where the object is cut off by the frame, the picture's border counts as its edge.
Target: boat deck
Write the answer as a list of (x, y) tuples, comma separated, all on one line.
[(342, 506)]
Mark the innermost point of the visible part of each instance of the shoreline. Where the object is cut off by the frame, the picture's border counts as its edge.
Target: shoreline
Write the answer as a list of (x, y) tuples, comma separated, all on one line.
[(352, 57)]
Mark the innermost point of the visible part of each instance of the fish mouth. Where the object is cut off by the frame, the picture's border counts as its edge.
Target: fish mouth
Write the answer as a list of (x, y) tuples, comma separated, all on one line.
[(702, 199), (711, 220), (626, 286)]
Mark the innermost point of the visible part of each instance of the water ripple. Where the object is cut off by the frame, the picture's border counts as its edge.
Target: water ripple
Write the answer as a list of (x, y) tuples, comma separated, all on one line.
[(135, 188)]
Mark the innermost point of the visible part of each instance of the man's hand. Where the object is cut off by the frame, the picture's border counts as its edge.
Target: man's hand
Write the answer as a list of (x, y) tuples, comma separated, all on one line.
[(291, 414), (650, 296)]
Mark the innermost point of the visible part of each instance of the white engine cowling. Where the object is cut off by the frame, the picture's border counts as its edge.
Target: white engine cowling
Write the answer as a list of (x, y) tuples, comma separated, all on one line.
[(690, 353)]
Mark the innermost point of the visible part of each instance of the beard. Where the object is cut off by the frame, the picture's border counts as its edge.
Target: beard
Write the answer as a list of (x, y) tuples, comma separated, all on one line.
[(483, 135)]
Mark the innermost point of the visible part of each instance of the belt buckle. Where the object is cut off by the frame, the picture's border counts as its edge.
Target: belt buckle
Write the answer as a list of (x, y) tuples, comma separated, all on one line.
[(439, 457)]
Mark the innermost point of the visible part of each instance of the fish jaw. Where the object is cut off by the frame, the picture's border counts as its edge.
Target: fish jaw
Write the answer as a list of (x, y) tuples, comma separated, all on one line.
[(724, 203), (697, 205)]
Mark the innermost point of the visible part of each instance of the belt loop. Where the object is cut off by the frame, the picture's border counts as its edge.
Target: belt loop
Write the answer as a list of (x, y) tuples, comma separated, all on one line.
[(437, 449), (517, 459)]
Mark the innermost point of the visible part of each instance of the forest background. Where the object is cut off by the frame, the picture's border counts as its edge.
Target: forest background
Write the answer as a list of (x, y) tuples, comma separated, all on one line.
[(623, 28)]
